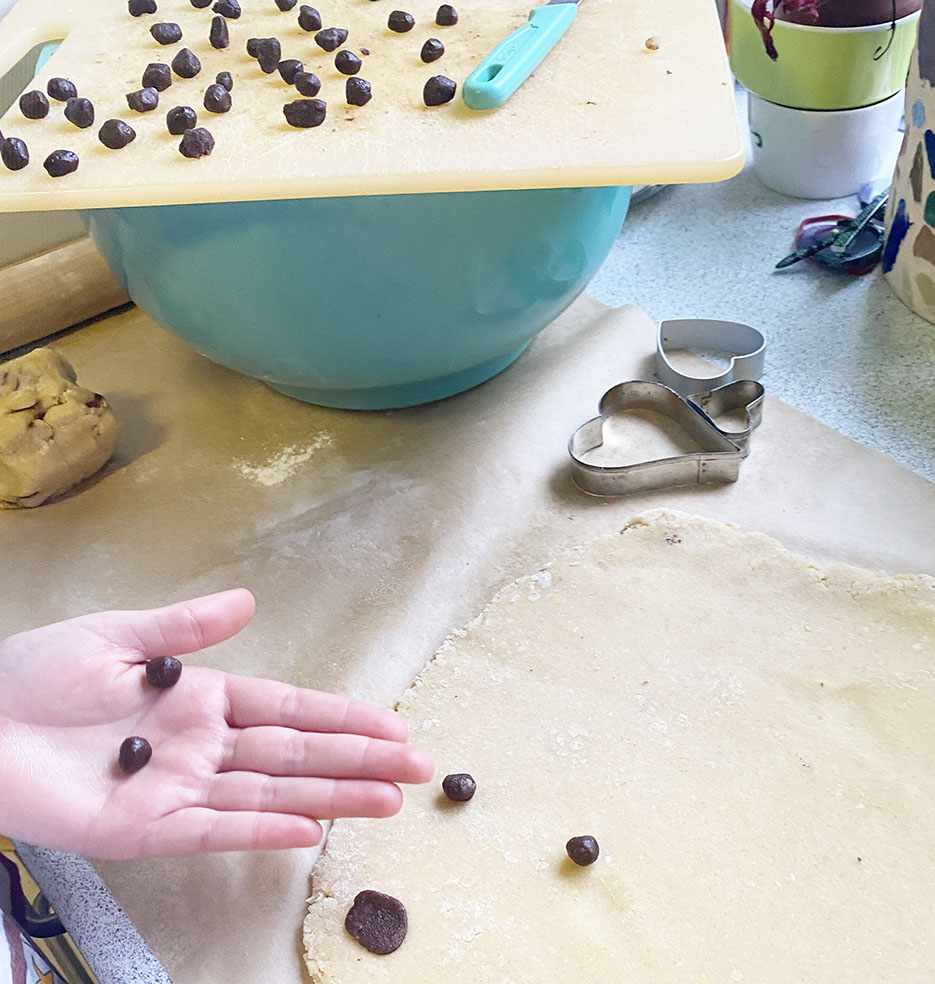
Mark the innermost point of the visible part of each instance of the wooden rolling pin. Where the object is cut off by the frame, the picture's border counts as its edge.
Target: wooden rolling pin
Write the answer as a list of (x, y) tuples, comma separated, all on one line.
[(53, 291)]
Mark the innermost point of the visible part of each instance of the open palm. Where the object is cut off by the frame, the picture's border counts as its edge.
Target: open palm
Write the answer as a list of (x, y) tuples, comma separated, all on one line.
[(238, 763)]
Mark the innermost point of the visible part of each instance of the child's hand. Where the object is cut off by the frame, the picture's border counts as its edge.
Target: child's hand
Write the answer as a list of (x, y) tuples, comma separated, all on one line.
[(238, 763)]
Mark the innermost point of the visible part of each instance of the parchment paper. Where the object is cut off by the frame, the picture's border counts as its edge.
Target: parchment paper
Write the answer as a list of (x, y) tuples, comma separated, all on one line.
[(367, 538)]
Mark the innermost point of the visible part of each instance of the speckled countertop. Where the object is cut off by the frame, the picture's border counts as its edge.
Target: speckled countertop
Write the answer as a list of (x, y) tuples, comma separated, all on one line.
[(844, 350)]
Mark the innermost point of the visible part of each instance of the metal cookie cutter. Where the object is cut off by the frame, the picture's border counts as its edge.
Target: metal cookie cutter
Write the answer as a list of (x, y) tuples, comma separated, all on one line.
[(717, 461), (746, 344)]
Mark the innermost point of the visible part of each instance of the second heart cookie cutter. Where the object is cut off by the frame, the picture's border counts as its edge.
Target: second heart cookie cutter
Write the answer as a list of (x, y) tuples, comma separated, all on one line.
[(718, 459)]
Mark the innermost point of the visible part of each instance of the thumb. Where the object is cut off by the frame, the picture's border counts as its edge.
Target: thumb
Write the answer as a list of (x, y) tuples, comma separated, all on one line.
[(184, 627)]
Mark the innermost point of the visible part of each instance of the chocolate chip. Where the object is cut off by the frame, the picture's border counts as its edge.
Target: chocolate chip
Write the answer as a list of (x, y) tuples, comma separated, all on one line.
[(446, 15), (186, 64), (181, 118), (135, 752), (61, 89), (307, 83), (163, 671), (268, 53), (115, 134), (432, 50), (286, 4), (227, 8), (438, 90), (61, 162), (331, 38), (13, 153), (365, 51), (166, 33), (196, 143), (400, 22), (347, 63), (143, 100), (289, 68), (225, 79), (305, 113), (34, 105), (217, 99), (79, 111), (251, 46), (309, 18), (377, 921), (200, 4), (357, 91), (459, 786), (583, 850), (219, 36), (157, 76), (139, 7)]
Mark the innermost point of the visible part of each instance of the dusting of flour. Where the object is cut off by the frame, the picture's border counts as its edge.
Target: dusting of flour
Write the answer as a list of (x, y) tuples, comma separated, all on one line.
[(285, 462)]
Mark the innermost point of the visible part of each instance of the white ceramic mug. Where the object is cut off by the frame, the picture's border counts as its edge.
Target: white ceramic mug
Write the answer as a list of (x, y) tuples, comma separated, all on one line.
[(824, 153)]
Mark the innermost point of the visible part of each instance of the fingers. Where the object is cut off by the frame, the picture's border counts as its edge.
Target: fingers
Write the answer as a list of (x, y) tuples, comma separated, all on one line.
[(197, 830), (284, 752), (184, 627), (266, 702), (325, 799)]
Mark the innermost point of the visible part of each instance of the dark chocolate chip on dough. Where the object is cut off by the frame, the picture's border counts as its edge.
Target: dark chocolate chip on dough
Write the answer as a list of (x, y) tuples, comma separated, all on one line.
[(225, 79), (34, 105), (347, 63), (357, 91), (115, 134), (61, 89), (307, 83), (219, 36), (163, 671), (61, 162), (143, 100), (459, 786), (446, 15), (200, 4), (13, 153), (158, 76), (251, 46), (227, 8), (268, 53), (181, 118), (305, 113), (289, 68), (135, 752), (432, 50), (400, 21), (583, 850), (186, 64), (196, 143), (377, 921), (79, 111), (286, 4), (309, 18), (139, 7), (331, 38), (217, 99), (166, 33), (438, 90)]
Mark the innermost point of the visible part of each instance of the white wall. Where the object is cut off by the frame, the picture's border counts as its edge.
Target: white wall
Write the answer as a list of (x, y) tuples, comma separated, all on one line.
[(24, 234)]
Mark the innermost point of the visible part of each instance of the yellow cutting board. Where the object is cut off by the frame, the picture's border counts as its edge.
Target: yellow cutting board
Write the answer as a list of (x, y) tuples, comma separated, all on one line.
[(601, 109)]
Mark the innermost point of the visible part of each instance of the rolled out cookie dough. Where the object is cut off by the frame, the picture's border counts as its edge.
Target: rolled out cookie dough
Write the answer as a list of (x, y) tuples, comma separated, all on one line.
[(53, 432), (750, 739)]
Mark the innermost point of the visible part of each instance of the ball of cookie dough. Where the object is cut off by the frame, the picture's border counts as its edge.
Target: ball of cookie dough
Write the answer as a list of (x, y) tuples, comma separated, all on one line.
[(53, 432)]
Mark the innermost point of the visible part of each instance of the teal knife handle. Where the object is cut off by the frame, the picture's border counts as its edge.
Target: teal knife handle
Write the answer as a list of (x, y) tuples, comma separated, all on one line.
[(514, 59)]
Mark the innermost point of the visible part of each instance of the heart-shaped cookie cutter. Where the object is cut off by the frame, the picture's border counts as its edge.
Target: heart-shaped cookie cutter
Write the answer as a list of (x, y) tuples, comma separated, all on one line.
[(721, 451), (746, 345)]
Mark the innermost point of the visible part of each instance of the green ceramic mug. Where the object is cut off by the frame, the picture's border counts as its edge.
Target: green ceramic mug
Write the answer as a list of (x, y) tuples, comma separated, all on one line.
[(821, 67)]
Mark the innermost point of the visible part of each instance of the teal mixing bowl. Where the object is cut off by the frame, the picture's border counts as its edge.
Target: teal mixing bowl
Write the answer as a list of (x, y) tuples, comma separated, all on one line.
[(369, 302)]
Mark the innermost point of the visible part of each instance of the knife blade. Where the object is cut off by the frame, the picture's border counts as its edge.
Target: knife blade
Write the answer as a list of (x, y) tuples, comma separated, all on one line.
[(514, 59)]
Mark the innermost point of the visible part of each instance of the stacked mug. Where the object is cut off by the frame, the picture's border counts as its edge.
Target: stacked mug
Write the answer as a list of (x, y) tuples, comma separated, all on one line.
[(826, 90)]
